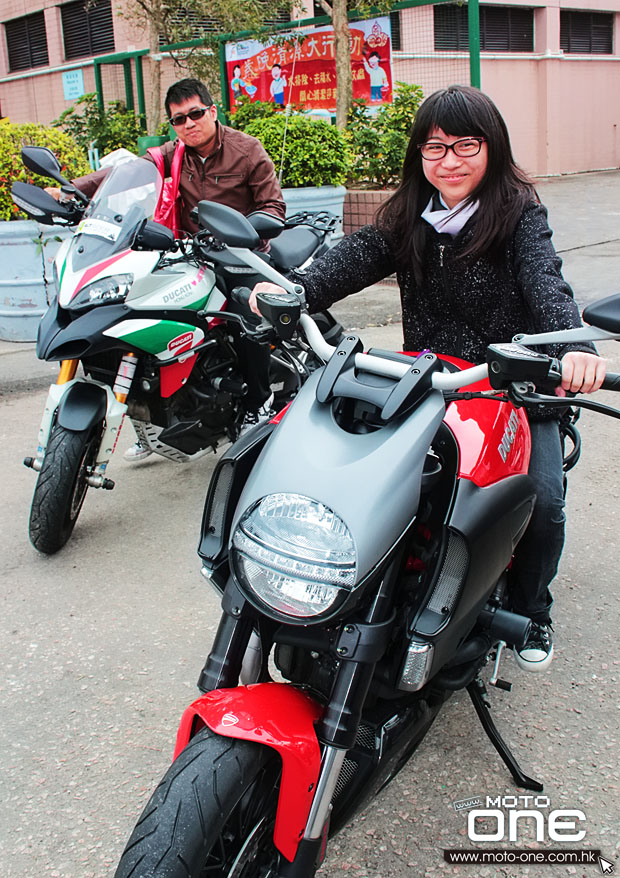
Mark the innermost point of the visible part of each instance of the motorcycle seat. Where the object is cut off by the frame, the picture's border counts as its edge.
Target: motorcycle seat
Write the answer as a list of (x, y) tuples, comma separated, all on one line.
[(294, 246)]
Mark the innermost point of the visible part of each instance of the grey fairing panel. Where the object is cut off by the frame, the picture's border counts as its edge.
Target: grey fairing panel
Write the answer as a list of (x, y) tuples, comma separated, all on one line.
[(371, 481)]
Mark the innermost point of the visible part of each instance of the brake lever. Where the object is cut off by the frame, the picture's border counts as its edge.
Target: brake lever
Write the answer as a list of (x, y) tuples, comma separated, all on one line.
[(519, 398)]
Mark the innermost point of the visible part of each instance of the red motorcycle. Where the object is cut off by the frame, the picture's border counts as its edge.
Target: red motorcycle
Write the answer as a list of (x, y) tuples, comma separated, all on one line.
[(361, 544)]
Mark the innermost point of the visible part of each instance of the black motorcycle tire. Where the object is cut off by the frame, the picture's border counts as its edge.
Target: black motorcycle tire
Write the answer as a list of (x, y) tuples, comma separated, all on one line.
[(212, 814), (61, 487)]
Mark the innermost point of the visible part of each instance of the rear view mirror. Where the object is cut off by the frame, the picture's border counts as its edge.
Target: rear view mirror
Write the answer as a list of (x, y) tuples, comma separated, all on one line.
[(41, 160), (153, 236), (605, 314)]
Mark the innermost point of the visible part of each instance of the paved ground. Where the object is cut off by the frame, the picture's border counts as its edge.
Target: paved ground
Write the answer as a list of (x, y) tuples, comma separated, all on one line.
[(101, 645)]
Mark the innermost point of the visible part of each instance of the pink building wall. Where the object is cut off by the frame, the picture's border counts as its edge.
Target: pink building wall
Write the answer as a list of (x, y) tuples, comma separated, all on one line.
[(562, 111)]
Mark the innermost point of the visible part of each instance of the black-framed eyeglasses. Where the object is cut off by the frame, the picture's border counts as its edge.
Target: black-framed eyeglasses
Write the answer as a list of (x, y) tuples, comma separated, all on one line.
[(195, 114), (465, 148)]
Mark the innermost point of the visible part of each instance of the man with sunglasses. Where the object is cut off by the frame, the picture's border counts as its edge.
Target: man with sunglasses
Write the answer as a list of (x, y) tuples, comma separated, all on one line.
[(224, 165), (219, 163)]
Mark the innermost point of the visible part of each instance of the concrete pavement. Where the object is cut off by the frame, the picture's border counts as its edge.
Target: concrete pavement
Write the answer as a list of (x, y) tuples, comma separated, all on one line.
[(101, 644)]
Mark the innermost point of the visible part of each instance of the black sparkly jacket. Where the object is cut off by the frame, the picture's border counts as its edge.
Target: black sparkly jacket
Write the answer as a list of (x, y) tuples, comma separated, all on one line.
[(463, 304)]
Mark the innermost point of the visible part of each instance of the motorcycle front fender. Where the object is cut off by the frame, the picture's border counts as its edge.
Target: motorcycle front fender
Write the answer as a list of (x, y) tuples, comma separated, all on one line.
[(99, 401), (278, 716), (82, 406)]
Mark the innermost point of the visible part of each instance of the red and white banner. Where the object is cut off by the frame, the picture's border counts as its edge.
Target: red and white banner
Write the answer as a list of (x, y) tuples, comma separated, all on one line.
[(303, 71)]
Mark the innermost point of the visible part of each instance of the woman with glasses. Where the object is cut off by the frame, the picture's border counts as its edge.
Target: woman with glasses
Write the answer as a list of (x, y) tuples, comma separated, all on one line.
[(469, 241)]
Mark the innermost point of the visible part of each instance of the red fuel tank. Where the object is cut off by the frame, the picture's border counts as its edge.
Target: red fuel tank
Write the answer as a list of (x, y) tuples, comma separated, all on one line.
[(493, 437)]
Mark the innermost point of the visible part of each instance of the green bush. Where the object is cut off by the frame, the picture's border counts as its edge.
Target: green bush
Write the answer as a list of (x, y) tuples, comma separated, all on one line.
[(379, 141), (108, 129), (315, 152), (12, 139), (247, 111)]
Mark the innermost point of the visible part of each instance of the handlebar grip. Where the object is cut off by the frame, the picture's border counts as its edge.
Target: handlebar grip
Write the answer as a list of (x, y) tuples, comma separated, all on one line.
[(241, 295), (611, 382)]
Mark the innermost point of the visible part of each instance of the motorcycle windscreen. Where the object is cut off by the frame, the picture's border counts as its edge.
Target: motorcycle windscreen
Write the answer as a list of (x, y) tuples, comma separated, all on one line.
[(127, 197)]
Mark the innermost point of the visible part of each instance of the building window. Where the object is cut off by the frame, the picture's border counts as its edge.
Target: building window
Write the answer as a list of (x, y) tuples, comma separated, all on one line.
[(589, 33), (396, 32), (87, 28), (502, 28), (26, 42)]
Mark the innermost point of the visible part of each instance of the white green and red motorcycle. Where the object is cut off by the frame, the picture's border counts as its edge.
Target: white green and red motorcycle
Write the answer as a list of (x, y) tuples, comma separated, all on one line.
[(147, 318)]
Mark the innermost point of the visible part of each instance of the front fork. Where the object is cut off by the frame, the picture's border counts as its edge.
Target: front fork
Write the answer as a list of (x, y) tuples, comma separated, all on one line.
[(116, 409), (362, 644)]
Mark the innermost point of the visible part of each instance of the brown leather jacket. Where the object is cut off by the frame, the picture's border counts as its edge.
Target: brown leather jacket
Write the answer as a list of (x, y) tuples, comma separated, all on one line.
[(238, 173)]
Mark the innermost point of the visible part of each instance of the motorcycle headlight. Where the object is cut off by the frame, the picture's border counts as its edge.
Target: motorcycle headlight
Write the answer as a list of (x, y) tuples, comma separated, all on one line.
[(295, 554), (106, 291)]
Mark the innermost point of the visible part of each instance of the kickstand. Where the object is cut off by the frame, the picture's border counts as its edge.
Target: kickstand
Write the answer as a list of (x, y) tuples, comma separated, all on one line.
[(477, 693)]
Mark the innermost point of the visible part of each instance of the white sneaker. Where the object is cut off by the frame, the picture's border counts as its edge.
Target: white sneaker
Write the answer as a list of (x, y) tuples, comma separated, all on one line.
[(137, 452), (537, 653), (264, 413)]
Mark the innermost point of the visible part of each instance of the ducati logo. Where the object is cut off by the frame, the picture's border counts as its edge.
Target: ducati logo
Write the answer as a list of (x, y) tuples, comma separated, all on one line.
[(509, 437), (229, 719), (180, 341)]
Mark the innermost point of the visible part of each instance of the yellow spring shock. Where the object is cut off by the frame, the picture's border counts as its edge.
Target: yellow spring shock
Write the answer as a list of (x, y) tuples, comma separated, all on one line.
[(68, 368), (124, 376)]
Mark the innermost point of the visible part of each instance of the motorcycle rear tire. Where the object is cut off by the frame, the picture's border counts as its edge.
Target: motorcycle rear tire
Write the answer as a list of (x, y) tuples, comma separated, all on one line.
[(61, 487), (213, 814)]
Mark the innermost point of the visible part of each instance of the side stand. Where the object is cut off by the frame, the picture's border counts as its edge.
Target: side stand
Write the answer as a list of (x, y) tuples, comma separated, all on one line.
[(477, 693)]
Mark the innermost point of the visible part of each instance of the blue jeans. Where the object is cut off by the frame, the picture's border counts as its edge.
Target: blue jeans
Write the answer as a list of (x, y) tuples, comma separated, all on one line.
[(538, 554)]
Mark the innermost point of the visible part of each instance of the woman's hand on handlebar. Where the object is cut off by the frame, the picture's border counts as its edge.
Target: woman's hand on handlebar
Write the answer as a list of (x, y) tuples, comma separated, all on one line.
[(582, 372), (263, 287)]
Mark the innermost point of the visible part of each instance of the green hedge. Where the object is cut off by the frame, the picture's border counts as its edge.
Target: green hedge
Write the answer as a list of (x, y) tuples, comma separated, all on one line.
[(114, 127), (12, 139), (315, 152)]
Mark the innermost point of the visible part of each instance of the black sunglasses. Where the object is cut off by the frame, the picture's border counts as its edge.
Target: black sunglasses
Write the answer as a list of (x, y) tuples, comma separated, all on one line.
[(194, 115)]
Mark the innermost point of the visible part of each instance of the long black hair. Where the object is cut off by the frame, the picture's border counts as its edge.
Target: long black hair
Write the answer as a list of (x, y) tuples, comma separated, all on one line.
[(459, 111)]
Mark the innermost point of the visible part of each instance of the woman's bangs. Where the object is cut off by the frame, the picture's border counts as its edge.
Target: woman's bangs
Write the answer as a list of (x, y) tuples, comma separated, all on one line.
[(454, 115)]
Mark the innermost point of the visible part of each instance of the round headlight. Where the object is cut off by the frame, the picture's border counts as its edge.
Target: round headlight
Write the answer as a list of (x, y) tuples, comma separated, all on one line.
[(294, 553)]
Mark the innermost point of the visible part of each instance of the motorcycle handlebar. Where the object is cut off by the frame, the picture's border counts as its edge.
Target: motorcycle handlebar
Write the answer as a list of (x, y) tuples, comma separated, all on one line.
[(611, 382), (441, 381), (241, 295)]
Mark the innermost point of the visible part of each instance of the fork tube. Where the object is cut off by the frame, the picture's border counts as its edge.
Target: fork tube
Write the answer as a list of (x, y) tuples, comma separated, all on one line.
[(340, 721), (331, 764), (68, 368)]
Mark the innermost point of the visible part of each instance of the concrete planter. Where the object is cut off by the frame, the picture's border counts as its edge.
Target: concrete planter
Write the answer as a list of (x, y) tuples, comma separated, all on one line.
[(27, 252), (316, 198)]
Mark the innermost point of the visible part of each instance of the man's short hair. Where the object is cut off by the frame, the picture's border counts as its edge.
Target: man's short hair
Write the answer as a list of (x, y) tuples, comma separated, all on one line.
[(185, 89)]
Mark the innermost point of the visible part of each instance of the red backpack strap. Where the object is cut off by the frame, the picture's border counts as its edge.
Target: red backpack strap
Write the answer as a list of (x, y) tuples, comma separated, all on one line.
[(175, 168), (168, 210), (158, 157)]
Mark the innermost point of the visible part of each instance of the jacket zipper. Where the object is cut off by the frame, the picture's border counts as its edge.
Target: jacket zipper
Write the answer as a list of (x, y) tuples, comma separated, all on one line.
[(450, 297)]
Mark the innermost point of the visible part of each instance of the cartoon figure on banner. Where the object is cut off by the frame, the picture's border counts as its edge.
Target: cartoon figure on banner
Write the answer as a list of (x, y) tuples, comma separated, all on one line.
[(278, 84), (377, 42), (378, 77), (237, 83)]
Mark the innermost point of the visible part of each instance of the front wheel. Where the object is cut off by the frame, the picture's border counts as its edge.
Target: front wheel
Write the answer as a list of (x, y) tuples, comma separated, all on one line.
[(61, 486), (212, 815)]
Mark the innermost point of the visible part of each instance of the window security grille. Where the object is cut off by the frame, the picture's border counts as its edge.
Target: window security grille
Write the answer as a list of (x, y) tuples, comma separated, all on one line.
[(87, 28), (26, 42), (589, 33), (189, 25), (502, 28)]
